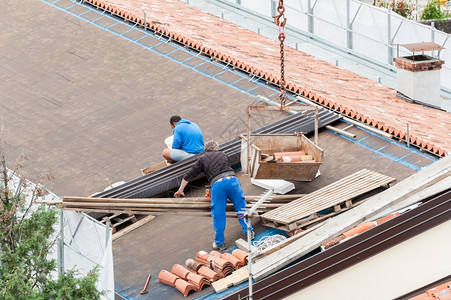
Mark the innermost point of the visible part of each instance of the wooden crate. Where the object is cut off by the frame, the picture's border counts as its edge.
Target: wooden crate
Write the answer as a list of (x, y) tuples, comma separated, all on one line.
[(272, 143)]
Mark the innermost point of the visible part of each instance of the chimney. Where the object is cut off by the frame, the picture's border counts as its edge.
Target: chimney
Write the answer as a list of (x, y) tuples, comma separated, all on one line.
[(418, 75)]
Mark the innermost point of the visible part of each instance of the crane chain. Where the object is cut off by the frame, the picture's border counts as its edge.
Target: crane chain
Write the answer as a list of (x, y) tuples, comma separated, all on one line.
[(281, 24)]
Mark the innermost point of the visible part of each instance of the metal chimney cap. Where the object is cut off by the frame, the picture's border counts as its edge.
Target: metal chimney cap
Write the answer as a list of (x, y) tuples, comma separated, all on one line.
[(424, 46)]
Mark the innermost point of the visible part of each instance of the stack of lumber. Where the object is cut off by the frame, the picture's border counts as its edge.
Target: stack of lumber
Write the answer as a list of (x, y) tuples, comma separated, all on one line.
[(337, 196), (181, 206)]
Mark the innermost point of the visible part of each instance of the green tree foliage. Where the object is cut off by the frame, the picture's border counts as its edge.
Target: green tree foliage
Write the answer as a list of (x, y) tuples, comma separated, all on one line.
[(432, 11), (26, 238)]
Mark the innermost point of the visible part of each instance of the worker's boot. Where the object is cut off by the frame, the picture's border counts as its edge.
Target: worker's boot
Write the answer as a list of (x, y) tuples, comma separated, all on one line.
[(252, 235), (219, 247)]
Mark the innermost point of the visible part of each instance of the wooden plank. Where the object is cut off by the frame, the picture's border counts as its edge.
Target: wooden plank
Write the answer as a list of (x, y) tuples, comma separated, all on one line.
[(243, 245), (154, 167), (274, 199), (132, 227), (144, 212), (335, 190), (439, 187), (347, 220), (237, 277), (121, 221)]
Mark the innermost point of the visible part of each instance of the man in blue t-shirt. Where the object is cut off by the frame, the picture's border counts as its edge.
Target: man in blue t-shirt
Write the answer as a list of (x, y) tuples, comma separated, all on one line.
[(188, 140)]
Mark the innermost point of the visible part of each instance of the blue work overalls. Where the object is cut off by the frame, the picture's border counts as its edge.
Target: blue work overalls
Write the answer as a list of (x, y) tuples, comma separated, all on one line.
[(226, 188)]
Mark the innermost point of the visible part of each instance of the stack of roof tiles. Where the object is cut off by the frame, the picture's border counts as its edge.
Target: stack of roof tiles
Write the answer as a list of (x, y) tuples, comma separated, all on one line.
[(214, 260), (203, 270)]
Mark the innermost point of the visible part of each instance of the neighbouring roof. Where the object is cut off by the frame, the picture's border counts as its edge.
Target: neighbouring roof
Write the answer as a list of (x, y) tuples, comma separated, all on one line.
[(322, 82)]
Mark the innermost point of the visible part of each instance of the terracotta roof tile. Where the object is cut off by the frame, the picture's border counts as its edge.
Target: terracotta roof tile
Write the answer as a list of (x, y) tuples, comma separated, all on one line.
[(180, 271), (198, 280), (357, 230), (167, 277), (233, 260), (336, 88), (193, 265), (185, 287), (208, 273), (442, 291), (241, 255)]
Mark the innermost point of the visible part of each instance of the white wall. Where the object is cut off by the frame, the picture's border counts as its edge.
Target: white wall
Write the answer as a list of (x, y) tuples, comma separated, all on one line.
[(399, 270)]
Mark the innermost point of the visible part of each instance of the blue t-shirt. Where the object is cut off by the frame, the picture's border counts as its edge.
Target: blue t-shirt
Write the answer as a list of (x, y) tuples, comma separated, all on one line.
[(188, 137)]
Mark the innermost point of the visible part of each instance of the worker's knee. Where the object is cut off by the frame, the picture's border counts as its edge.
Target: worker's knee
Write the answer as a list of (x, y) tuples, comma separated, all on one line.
[(166, 153)]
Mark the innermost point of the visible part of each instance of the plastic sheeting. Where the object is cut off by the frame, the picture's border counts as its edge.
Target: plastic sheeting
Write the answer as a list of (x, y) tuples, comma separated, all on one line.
[(87, 242)]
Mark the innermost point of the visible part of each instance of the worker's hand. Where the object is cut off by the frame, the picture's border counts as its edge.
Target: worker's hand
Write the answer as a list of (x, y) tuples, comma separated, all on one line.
[(178, 194)]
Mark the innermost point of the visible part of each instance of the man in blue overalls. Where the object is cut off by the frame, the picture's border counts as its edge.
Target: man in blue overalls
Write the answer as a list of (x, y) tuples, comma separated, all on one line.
[(224, 185)]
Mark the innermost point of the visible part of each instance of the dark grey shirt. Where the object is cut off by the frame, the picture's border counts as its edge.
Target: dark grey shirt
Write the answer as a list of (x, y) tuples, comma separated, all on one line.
[(211, 164)]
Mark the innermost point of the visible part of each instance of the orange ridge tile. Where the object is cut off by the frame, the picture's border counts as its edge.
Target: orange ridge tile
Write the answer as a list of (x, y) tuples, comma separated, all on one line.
[(359, 229), (233, 260), (203, 257), (185, 287), (215, 253), (220, 263), (193, 265), (241, 255), (208, 273), (168, 278), (180, 271), (198, 280)]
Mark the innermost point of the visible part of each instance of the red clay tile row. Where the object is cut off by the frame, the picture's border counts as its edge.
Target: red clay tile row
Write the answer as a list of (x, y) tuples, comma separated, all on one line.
[(337, 89), (356, 230), (205, 269), (442, 291)]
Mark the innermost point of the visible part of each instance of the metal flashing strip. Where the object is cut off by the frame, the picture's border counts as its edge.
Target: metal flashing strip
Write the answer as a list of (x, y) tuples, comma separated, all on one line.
[(322, 265)]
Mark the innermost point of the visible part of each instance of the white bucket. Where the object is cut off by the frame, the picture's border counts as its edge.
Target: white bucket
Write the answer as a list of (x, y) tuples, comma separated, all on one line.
[(168, 141)]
